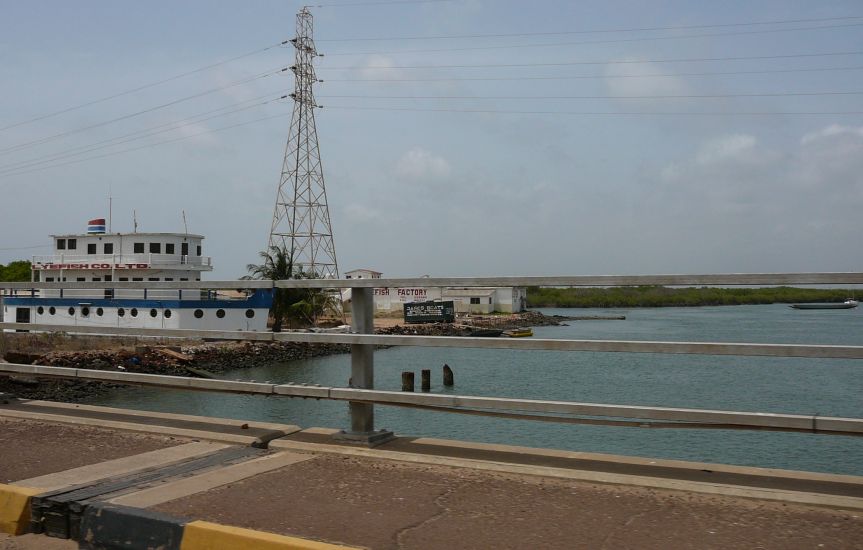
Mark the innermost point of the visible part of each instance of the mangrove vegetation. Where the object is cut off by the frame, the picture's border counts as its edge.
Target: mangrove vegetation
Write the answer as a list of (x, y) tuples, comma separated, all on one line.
[(661, 296)]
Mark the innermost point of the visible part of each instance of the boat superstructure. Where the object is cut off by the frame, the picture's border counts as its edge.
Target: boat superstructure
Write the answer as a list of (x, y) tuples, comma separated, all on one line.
[(99, 257)]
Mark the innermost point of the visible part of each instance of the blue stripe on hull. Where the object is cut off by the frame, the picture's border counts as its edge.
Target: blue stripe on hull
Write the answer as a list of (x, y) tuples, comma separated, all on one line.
[(260, 299)]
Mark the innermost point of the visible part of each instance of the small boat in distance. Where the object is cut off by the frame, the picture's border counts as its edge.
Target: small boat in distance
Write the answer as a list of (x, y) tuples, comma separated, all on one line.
[(847, 304), (518, 332)]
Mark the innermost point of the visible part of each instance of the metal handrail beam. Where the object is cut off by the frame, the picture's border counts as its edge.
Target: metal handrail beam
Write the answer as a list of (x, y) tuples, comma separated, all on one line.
[(727, 279), (618, 346), (735, 419)]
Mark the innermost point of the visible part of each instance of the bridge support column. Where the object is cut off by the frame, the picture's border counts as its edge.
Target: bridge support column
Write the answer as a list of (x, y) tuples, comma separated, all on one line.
[(362, 430)]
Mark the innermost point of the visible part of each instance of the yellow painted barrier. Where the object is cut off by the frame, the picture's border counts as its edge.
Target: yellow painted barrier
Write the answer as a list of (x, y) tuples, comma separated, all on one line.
[(203, 535), (15, 508)]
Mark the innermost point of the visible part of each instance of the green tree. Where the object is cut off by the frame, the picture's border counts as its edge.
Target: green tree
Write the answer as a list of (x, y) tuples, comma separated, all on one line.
[(17, 271), (296, 306)]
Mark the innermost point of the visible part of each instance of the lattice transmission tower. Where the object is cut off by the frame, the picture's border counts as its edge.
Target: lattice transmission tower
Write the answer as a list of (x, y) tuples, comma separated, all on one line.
[(301, 218)]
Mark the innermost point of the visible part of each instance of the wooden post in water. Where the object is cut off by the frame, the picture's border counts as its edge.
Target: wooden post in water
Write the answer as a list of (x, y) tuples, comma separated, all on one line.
[(407, 381), (426, 379), (447, 376)]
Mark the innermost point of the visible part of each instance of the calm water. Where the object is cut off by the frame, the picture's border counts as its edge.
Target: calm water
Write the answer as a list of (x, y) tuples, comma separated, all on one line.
[(801, 386)]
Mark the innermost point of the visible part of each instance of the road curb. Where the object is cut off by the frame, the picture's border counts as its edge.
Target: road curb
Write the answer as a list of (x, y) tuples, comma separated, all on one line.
[(15, 508), (203, 535)]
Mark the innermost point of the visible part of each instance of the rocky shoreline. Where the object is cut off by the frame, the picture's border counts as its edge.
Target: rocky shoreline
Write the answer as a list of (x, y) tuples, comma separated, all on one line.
[(213, 358)]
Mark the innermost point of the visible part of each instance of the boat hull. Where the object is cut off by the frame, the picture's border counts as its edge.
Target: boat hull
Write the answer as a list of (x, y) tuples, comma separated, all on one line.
[(844, 305)]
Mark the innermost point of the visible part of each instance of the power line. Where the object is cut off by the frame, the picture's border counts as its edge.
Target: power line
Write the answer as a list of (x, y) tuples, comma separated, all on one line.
[(141, 134), (28, 171), (607, 62), (22, 146), (593, 31), (25, 247), (144, 87), (599, 113), (586, 42), (588, 77), (533, 97)]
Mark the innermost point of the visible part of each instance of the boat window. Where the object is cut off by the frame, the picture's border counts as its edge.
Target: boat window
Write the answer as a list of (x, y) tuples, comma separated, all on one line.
[(169, 278), (153, 313), (49, 279), (124, 279), (51, 310), (109, 278), (121, 312), (474, 300), (167, 314), (169, 248), (184, 278), (220, 313), (250, 313), (155, 248), (97, 279), (199, 313), (40, 310), (138, 248), (85, 311), (80, 279), (72, 244), (61, 244), (100, 312), (184, 249), (152, 278), (135, 279), (109, 248), (72, 311), (199, 250), (134, 312), (91, 248)]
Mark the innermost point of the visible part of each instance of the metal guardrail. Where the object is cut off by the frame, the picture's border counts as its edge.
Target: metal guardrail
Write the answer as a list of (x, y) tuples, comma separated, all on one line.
[(455, 403), (362, 396)]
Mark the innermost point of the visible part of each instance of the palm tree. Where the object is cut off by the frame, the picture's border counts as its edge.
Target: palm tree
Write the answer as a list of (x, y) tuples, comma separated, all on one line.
[(301, 306), (278, 265)]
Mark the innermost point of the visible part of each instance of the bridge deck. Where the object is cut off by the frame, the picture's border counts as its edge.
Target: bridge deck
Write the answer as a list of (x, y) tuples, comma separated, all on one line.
[(411, 493)]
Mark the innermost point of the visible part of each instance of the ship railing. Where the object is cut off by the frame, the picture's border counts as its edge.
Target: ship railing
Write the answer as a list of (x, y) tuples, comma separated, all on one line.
[(362, 396)]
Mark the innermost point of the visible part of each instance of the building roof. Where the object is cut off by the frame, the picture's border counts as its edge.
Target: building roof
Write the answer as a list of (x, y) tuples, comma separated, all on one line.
[(365, 270), (468, 292)]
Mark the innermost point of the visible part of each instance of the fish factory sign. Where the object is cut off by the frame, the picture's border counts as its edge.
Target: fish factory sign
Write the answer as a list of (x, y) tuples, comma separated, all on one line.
[(91, 266)]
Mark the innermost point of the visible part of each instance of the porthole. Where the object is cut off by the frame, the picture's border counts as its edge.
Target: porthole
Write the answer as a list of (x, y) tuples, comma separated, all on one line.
[(100, 311), (199, 313), (220, 313), (52, 310), (250, 313), (121, 312), (85, 311), (134, 312), (153, 313), (72, 311), (40, 310), (167, 314)]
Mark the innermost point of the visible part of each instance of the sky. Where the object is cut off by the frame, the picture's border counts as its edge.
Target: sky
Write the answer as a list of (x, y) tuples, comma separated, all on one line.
[(458, 138)]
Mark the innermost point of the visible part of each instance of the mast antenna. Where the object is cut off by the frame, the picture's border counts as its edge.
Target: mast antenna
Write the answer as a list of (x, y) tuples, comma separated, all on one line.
[(135, 220), (185, 226), (301, 218)]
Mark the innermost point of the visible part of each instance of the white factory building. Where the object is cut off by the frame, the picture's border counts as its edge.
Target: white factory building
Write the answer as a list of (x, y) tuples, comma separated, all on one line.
[(466, 300)]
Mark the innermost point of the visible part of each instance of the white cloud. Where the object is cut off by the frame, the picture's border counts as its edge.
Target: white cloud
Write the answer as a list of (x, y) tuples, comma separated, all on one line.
[(360, 213), (380, 67), (642, 83), (421, 166), (832, 131), (734, 147)]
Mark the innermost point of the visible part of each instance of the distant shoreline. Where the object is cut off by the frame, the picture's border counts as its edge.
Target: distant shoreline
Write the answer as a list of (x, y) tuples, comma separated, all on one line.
[(660, 296)]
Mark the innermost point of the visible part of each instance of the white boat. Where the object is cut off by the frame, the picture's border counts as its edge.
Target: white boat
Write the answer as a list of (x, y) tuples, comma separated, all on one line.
[(98, 256), (847, 304)]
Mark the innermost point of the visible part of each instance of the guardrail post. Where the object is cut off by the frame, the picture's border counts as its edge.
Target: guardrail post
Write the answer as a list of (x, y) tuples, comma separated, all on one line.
[(363, 374)]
